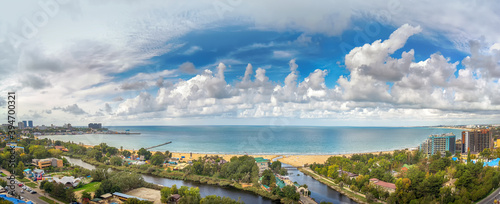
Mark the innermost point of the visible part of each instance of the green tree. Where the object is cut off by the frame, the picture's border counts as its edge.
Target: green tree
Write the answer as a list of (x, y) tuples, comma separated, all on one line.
[(115, 160), (3, 183), (157, 159), (145, 153), (86, 196), (126, 153), (486, 153), (165, 194)]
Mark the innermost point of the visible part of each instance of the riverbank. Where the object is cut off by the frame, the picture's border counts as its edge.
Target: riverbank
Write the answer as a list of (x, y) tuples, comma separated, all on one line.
[(359, 198)]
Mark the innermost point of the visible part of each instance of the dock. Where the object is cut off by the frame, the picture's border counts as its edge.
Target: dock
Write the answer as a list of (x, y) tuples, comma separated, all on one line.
[(166, 143)]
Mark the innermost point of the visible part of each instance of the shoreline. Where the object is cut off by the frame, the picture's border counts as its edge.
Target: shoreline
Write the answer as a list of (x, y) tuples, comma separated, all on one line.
[(455, 128), (295, 160)]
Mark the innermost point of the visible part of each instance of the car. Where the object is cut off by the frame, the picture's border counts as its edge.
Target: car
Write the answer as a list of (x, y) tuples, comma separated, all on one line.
[(20, 185), (33, 192), (22, 191)]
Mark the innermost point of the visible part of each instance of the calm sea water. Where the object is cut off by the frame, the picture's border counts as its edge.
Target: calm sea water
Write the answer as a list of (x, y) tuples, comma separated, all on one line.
[(263, 139)]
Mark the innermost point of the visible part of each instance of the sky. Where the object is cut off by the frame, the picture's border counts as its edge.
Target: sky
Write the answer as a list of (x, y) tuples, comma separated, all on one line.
[(234, 62)]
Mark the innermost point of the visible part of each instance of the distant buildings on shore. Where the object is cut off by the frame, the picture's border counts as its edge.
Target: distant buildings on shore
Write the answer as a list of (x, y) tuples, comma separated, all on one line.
[(95, 125), (475, 141), (439, 143)]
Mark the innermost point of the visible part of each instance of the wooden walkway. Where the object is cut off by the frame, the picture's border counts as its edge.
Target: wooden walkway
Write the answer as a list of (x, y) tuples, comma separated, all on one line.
[(166, 143)]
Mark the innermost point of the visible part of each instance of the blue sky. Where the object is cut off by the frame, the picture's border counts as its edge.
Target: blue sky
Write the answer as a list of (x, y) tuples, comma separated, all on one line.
[(233, 62)]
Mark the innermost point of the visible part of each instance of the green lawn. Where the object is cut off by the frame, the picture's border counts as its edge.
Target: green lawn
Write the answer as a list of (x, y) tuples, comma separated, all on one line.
[(32, 185), (47, 200), (1, 173), (24, 180), (90, 187)]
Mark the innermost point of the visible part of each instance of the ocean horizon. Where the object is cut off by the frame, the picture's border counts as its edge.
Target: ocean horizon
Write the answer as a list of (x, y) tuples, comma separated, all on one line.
[(274, 140)]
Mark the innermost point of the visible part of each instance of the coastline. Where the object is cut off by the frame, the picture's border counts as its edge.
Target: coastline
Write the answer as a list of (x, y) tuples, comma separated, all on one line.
[(298, 160), (454, 128)]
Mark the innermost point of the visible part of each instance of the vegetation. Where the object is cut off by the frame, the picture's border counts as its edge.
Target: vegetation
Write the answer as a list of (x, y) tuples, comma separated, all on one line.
[(421, 183), (90, 187), (48, 200), (117, 181), (58, 191), (192, 195)]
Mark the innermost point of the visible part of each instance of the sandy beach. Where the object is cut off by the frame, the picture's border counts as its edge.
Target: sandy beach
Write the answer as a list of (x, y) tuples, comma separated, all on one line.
[(293, 160)]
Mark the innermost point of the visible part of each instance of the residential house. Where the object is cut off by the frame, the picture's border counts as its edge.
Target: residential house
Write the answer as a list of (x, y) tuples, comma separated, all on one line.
[(174, 199), (389, 187), (349, 174)]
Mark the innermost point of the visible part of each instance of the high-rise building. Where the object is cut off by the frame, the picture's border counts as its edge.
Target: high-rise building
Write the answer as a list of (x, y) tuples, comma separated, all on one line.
[(439, 143), (30, 123), (20, 125), (95, 125), (25, 123), (477, 140)]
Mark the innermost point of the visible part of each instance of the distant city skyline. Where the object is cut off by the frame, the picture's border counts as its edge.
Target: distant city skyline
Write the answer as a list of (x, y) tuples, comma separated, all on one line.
[(251, 63)]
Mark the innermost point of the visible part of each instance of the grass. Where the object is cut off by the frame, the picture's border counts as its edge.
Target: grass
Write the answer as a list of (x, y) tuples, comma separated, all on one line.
[(50, 201), (24, 180), (90, 187), (3, 174), (32, 185)]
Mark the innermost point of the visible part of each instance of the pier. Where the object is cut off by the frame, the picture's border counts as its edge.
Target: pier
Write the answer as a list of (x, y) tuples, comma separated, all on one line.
[(166, 143)]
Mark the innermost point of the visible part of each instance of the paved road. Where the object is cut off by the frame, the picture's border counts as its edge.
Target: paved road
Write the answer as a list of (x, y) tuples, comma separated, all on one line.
[(33, 197), (491, 198)]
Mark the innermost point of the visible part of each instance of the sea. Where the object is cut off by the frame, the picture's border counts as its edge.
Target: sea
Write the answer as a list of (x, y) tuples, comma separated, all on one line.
[(281, 140)]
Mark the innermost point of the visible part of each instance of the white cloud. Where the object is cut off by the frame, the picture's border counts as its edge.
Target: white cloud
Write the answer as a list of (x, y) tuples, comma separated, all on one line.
[(192, 50), (76, 55), (283, 54)]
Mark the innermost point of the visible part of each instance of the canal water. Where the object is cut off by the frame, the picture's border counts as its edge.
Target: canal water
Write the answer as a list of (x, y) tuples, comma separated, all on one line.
[(320, 192)]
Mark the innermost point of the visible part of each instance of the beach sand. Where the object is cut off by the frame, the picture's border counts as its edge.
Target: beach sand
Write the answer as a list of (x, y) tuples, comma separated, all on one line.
[(301, 160), (293, 160)]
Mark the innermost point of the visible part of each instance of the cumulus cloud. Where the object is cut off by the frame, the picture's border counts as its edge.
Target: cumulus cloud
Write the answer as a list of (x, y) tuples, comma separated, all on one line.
[(188, 68), (72, 109), (430, 88), (134, 85), (35, 81), (108, 108)]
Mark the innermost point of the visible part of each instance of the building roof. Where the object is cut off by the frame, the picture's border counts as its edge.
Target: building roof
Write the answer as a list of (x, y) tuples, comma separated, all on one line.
[(348, 173), (14, 200), (38, 171), (280, 182), (175, 196), (67, 180), (260, 159), (383, 183), (127, 196), (107, 195)]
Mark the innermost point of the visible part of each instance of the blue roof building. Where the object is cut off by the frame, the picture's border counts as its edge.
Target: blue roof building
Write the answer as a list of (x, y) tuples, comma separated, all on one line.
[(14, 200)]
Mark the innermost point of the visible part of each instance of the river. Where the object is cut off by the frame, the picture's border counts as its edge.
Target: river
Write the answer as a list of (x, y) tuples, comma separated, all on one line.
[(320, 192)]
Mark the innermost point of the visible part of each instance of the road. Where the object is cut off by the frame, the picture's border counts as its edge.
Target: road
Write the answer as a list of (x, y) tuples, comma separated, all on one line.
[(491, 198), (33, 197)]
